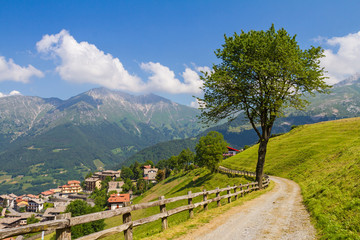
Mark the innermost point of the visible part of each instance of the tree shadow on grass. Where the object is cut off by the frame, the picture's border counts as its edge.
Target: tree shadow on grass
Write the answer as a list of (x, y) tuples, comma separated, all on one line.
[(169, 180), (197, 183), (249, 179)]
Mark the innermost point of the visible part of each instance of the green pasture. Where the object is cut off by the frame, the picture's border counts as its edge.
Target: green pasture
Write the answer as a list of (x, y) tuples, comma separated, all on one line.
[(324, 159)]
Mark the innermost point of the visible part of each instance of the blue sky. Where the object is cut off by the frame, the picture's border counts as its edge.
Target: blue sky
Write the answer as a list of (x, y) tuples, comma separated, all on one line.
[(63, 48)]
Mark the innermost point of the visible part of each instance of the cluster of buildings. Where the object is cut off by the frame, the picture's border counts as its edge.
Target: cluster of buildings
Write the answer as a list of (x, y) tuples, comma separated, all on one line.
[(17, 209), (24, 203), (95, 180)]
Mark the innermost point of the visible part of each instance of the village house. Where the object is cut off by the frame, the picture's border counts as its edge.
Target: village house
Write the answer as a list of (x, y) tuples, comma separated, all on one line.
[(92, 183), (12, 222), (73, 186), (56, 190), (150, 173), (107, 173), (51, 213), (30, 196), (20, 204), (47, 194), (7, 200), (118, 200), (35, 205), (231, 152)]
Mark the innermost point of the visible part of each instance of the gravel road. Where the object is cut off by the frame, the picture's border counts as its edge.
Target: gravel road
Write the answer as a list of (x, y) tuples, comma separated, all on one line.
[(278, 214)]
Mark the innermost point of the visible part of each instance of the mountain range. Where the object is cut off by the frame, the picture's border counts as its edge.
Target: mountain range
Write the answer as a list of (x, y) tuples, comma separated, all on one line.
[(97, 129)]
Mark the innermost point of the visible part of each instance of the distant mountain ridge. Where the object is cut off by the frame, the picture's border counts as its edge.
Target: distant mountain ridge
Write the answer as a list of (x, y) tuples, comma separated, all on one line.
[(97, 128), (23, 115), (342, 102)]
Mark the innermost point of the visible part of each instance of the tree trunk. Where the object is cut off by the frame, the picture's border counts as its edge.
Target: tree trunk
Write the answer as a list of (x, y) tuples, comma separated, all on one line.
[(261, 161)]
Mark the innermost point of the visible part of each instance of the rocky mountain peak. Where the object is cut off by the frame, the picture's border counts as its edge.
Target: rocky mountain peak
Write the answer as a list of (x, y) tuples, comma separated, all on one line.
[(353, 79)]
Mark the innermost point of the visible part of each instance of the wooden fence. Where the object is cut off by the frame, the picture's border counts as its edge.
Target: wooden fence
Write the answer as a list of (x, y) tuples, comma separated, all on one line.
[(64, 222), (239, 172)]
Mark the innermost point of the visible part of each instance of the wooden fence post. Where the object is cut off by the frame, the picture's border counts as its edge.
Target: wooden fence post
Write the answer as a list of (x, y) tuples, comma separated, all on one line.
[(191, 211), (241, 190), (205, 198), (128, 234), (64, 233), (228, 192), (247, 187), (218, 195), (164, 222), (236, 196)]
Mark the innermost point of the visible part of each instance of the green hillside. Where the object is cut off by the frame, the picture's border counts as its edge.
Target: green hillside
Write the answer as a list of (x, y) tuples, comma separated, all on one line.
[(177, 185), (163, 150), (324, 158)]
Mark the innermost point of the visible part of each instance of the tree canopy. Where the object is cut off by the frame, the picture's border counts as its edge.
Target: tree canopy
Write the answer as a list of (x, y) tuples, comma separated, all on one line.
[(80, 207), (209, 151), (260, 74)]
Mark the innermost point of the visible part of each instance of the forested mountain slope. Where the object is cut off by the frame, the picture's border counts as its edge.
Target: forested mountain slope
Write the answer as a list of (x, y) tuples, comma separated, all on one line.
[(64, 139)]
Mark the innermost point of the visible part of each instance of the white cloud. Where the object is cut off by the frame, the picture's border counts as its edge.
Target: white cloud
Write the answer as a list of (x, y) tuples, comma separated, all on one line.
[(164, 80), (10, 71), (12, 93), (204, 69), (82, 62), (195, 104), (345, 61), (85, 63)]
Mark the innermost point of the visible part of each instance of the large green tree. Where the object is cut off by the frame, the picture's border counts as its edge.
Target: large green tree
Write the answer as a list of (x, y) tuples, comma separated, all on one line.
[(260, 74), (185, 158), (210, 150)]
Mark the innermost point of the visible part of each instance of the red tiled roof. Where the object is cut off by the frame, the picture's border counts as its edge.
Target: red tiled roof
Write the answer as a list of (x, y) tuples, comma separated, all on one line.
[(46, 193), (73, 182), (32, 196), (147, 166), (119, 198), (233, 149), (20, 199)]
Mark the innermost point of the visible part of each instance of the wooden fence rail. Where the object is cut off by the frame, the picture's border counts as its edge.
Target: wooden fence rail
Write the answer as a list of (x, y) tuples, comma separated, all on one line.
[(64, 222)]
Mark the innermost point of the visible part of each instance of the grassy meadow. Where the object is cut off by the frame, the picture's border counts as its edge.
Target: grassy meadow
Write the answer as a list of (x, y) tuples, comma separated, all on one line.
[(196, 180), (324, 159), (177, 185)]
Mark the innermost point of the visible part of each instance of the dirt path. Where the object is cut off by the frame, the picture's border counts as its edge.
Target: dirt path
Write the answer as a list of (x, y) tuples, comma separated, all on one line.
[(278, 214)]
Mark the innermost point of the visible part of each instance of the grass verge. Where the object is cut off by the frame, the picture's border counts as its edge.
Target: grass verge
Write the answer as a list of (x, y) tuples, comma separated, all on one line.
[(324, 159), (204, 217)]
